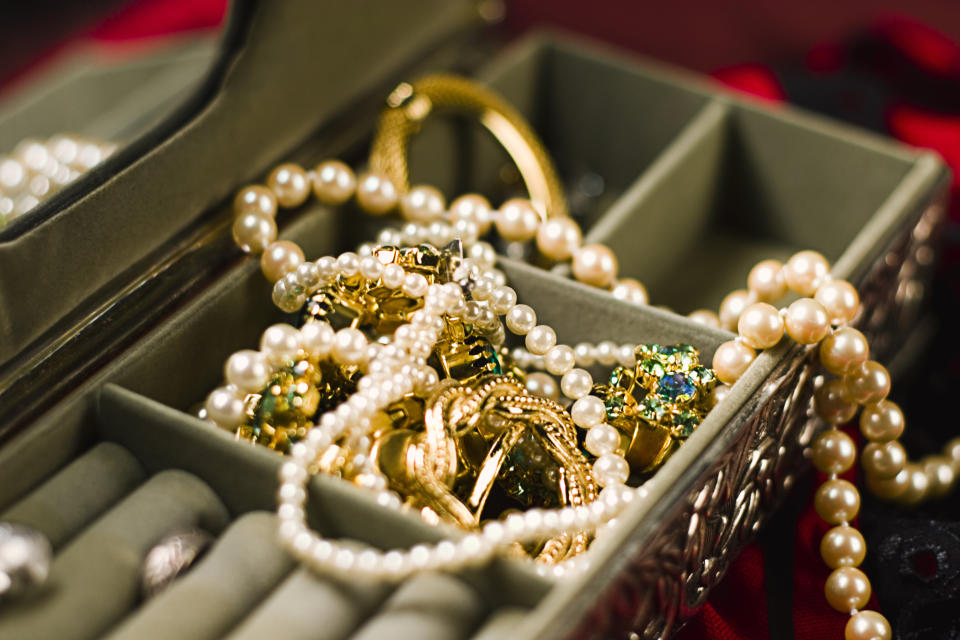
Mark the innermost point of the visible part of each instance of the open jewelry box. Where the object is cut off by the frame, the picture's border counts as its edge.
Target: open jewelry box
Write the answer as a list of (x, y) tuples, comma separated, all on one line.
[(698, 185)]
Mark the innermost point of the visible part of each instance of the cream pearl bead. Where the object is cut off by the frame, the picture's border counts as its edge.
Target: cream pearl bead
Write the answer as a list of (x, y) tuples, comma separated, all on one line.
[(521, 319), (705, 317), (247, 370), (940, 475), (837, 501), (317, 338), (255, 199), (805, 271), (279, 259), (882, 421), (595, 265), (831, 404), (889, 488), (610, 469), (630, 290), (844, 351), (253, 232), (847, 589), (333, 182), (867, 625), (731, 359), (843, 546), (559, 360), (289, 182), (918, 485), (766, 281), (540, 340), (588, 411), (517, 220), (576, 383), (473, 208), (225, 406), (840, 299), (280, 343), (376, 193), (543, 385), (833, 451), (869, 384), (422, 204), (760, 325), (732, 306), (350, 346), (884, 460), (558, 238), (602, 439), (806, 321)]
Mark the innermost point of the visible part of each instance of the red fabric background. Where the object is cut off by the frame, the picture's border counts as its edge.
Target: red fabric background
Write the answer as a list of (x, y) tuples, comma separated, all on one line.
[(725, 37)]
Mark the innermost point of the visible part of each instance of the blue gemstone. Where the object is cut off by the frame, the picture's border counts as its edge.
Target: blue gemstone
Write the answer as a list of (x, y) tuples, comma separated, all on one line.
[(675, 386)]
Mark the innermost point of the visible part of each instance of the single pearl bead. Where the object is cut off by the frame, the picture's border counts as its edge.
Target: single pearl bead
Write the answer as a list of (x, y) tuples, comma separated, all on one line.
[(370, 268), (483, 254), (847, 589), (588, 411), (867, 625), (415, 285), (225, 407), (869, 384), (540, 340), (889, 488), (559, 360), (718, 394), (376, 193), (503, 299), (517, 220), (350, 346), (731, 359), (610, 469), (595, 265), (576, 383), (279, 259), (884, 460), (317, 338), (393, 276), (918, 485), (940, 475), (253, 232), (807, 321), (630, 290), (606, 353), (833, 451), (247, 370), (333, 182), (255, 199), (882, 421), (558, 238), (831, 404), (732, 306), (837, 501), (843, 546), (602, 439), (280, 343), (760, 325), (766, 281), (422, 204), (705, 317), (805, 271), (840, 300), (289, 182), (308, 274), (473, 208), (543, 385), (844, 351), (521, 319)]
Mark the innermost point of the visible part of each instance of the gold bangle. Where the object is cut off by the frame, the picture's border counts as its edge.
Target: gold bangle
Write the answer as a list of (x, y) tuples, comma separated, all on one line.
[(411, 103)]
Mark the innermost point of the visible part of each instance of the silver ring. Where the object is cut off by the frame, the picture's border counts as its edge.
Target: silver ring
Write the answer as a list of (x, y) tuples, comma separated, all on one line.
[(170, 558)]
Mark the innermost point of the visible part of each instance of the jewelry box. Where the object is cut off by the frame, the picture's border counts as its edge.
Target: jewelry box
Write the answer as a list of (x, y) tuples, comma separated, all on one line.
[(100, 450)]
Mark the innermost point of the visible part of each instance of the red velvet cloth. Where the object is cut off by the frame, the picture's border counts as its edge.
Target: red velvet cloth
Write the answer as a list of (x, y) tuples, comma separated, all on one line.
[(737, 609)]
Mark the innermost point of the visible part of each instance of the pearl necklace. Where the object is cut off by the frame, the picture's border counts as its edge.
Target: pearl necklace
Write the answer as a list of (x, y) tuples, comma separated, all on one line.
[(819, 317)]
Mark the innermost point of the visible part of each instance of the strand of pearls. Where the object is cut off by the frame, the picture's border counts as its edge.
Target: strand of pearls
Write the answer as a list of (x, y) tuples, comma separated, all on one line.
[(470, 217), (821, 317)]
